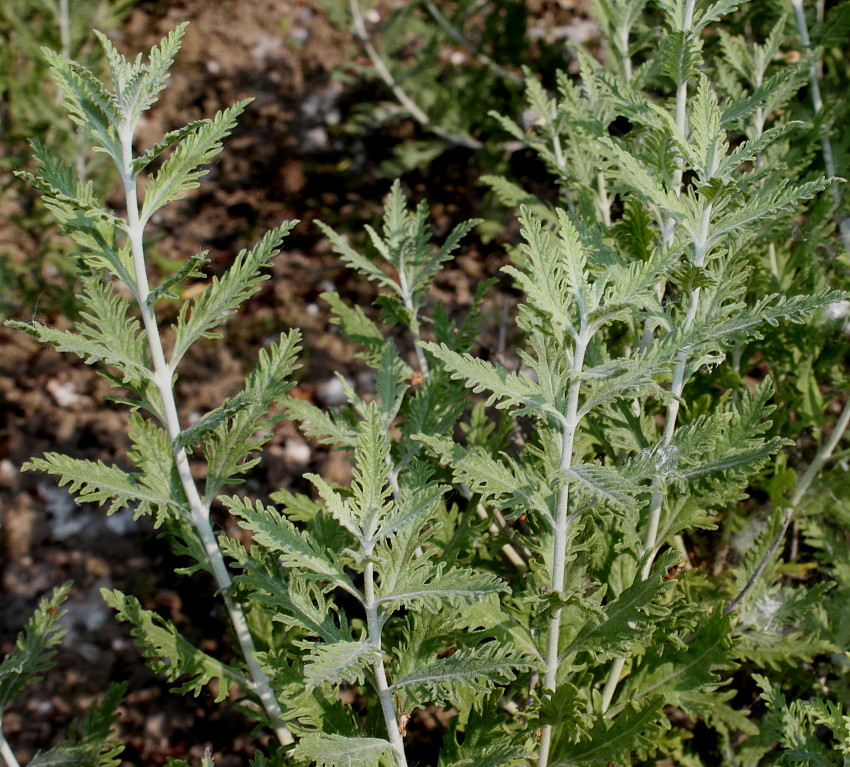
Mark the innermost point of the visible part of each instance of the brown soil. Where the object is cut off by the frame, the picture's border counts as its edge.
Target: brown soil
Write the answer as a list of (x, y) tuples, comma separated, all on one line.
[(289, 158)]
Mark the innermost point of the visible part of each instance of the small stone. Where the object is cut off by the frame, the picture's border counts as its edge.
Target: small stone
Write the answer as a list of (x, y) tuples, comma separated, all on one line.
[(331, 393)]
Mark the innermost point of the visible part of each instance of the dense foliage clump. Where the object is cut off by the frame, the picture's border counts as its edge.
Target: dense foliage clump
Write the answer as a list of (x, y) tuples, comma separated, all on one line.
[(523, 543)]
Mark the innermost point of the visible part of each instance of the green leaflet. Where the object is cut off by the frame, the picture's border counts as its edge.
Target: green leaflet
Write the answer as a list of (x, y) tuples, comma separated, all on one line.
[(183, 169), (433, 586), (94, 745), (506, 390), (630, 620), (613, 740), (245, 430), (792, 725), (681, 675), (169, 653), (107, 334)]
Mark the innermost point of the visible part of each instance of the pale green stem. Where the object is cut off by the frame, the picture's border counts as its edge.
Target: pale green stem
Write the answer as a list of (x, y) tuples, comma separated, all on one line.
[(604, 202), (462, 40), (681, 124), (63, 19), (822, 456), (668, 231), (657, 500), (407, 299), (408, 103), (373, 624), (803, 485), (624, 52), (562, 164), (6, 753), (817, 105), (562, 520), (199, 510)]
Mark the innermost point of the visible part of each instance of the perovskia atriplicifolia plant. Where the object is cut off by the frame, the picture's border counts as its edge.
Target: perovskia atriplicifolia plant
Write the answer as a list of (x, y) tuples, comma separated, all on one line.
[(588, 460)]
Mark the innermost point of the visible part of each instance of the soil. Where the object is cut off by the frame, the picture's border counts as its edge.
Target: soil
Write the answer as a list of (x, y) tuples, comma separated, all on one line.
[(292, 156)]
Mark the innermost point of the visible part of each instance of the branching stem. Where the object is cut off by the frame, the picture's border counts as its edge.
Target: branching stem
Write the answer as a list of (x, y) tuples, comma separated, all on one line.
[(455, 34), (408, 103), (200, 512), (657, 499)]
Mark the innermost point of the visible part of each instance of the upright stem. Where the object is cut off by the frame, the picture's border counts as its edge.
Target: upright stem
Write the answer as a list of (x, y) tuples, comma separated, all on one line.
[(6, 753), (822, 456), (462, 40), (199, 510), (625, 58), (63, 19), (817, 106), (668, 231), (408, 103), (657, 499), (568, 432), (681, 123), (604, 202), (803, 484), (373, 624)]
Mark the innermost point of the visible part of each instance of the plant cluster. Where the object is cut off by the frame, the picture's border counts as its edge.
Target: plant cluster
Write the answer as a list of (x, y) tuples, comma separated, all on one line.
[(570, 548)]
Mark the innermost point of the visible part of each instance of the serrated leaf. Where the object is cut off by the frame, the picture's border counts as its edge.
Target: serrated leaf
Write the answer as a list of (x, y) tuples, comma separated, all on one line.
[(223, 296), (628, 620), (321, 425), (613, 741), (434, 586), (90, 105), (506, 390), (605, 483), (356, 326), (681, 675), (166, 142), (478, 670), (95, 482), (107, 334), (506, 483), (210, 422), (246, 430), (165, 290)]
